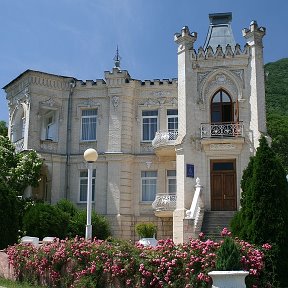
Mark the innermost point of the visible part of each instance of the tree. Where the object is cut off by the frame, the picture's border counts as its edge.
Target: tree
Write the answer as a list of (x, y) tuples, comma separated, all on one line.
[(264, 214), (9, 220), (3, 128), (18, 170)]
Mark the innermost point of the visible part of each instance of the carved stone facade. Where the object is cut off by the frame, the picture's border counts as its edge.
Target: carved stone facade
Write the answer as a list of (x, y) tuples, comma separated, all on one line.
[(60, 117)]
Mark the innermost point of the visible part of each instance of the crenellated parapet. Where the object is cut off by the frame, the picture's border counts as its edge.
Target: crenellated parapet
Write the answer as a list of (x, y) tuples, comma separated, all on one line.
[(158, 82), (228, 53), (91, 83)]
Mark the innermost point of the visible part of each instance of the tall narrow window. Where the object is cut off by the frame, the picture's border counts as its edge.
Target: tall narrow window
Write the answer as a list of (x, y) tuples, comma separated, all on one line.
[(171, 182), (84, 185), (150, 123), (172, 123), (221, 107), (88, 125), (49, 130), (149, 185)]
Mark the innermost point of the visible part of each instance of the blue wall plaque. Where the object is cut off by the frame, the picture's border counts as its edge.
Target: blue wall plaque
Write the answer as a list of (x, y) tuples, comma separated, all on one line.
[(190, 170)]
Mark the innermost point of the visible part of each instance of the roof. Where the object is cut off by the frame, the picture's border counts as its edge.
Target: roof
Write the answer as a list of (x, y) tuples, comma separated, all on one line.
[(220, 31), (28, 71)]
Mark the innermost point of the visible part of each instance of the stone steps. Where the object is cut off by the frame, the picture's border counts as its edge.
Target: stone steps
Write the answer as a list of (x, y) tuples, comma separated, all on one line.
[(214, 222)]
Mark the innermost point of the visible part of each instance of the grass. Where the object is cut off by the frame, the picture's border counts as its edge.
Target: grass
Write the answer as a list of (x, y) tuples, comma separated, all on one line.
[(13, 284)]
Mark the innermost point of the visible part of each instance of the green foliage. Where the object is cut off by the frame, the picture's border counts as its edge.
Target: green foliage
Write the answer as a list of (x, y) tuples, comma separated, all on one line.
[(9, 211), (100, 225), (228, 257), (146, 230), (67, 206), (277, 107), (263, 217), (3, 128), (43, 220), (18, 170)]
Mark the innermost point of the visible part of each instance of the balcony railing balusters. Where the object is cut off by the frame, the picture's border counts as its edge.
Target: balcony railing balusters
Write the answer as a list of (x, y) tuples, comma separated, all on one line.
[(164, 202), (163, 138), (209, 130)]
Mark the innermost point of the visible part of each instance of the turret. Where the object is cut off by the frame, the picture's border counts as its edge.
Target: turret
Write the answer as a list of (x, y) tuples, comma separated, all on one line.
[(254, 36)]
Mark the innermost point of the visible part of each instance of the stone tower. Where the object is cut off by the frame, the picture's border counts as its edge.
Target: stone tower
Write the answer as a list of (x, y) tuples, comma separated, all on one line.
[(221, 104)]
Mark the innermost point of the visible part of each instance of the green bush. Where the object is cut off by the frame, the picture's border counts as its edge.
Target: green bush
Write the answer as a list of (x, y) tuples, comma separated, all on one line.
[(9, 220), (67, 206), (228, 257), (263, 217), (43, 220), (146, 230), (77, 224)]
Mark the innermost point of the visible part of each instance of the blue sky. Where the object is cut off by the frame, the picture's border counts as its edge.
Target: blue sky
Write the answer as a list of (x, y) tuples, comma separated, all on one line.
[(79, 37)]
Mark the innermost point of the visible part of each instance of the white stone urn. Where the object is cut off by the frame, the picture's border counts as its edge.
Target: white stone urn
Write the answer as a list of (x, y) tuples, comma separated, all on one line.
[(148, 242), (228, 279)]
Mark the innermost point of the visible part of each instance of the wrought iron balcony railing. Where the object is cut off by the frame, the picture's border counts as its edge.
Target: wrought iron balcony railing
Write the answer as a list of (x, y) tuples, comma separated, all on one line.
[(222, 130), (164, 202), (163, 138)]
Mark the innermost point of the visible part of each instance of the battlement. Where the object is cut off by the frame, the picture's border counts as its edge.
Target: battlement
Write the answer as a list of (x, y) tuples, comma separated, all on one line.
[(90, 83), (158, 82), (228, 52)]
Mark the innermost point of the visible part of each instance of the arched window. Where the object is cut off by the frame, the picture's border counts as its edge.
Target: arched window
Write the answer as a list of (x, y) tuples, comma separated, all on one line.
[(221, 107), (18, 125)]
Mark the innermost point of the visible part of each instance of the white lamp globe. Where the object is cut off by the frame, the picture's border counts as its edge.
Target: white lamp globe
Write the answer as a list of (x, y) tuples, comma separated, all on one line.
[(90, 155)]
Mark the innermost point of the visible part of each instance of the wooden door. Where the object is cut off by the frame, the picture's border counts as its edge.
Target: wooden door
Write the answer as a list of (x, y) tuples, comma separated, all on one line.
[(223, 185)]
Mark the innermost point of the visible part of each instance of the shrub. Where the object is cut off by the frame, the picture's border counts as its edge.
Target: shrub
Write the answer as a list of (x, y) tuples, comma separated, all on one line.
[(67, 206), (43, 220), (146, 230), (263, 217), (9, 211), (97, 263), (100, 225), (228, 257)]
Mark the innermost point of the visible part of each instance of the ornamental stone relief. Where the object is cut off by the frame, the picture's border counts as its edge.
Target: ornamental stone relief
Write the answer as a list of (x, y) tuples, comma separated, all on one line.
[(159, 101), (160, 93), (217, 147), (115, 102), (220, 80), (146, 147), (240, 75)]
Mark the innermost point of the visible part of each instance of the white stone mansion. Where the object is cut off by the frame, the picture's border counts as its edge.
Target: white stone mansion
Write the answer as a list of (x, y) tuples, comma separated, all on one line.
[(154, 138)]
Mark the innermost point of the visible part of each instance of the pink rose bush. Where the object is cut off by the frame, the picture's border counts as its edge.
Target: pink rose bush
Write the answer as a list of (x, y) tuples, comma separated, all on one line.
[(79, 263)]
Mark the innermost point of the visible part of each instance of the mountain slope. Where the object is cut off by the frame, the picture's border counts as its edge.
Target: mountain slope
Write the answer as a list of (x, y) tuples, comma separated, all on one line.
[(276, 85)]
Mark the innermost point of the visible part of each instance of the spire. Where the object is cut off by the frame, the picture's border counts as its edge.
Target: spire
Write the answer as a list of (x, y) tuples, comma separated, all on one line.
[(117, 59), (220, 31)]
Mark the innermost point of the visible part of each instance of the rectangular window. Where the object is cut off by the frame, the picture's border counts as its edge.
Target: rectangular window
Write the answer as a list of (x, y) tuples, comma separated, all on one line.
[(150, 124), (149, 185), (172, 123), (88, 125), (171, 182), (49, 130), (84, 185)]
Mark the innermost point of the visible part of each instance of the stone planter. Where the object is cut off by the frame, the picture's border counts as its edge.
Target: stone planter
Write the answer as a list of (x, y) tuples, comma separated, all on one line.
[(148, 242), (228, 279)]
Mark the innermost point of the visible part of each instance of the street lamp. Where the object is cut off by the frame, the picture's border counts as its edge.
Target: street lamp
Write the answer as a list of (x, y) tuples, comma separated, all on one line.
[(90, 156)]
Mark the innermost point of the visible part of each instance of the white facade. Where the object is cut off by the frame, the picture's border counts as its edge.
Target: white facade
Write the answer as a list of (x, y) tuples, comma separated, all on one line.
[(148, 134)]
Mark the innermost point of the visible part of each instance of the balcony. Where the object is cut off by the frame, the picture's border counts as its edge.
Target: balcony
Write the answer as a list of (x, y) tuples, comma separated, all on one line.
[(222, 137), (19, 145), (164, 143), (222, 130), (164, 205)]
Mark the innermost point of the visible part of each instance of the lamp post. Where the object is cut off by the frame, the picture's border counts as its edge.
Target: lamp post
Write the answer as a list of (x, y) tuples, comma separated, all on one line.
[(90, 156)]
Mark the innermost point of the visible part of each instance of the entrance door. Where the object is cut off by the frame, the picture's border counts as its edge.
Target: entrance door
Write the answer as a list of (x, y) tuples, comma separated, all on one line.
[(223, 185)]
